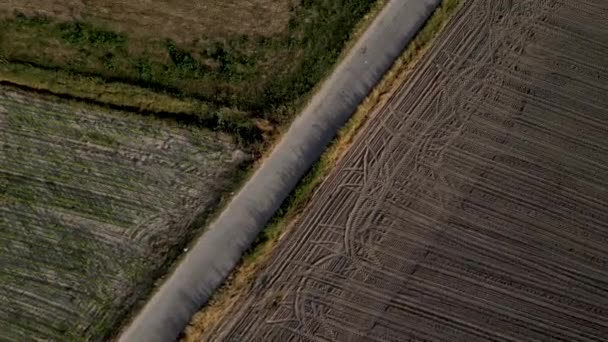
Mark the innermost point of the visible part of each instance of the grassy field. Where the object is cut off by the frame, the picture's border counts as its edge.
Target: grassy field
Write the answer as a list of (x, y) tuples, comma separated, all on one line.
[(95, 205), (228, 77), (253, 262)]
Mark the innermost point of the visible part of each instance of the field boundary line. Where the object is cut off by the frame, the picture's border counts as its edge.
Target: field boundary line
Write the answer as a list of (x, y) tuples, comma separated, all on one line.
[(220, 249), (241, 279)]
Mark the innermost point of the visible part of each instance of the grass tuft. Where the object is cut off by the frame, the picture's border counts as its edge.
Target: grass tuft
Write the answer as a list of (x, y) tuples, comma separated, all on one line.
[(267, 77)]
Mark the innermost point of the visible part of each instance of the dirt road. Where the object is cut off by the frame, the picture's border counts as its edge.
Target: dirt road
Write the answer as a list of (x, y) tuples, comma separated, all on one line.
[(475, 205), (219, 249)]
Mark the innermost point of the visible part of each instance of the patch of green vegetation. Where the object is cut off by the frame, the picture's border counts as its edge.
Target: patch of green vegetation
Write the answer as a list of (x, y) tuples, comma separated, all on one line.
[(82, 35), (185, 110), (263, 77)]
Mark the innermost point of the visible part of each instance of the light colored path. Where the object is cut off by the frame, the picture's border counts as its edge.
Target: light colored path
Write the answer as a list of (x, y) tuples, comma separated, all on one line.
[(220, 248)]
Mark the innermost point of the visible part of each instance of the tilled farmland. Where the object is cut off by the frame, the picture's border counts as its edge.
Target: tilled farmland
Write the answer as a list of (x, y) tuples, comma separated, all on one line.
[(91, 203), (474, 206)]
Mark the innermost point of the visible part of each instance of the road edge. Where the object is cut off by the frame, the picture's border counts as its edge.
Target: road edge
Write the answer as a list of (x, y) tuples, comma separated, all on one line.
[(194, 280)]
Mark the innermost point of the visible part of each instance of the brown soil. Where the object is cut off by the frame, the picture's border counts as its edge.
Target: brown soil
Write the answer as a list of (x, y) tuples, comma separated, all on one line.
[(179, 20), (474, 207)]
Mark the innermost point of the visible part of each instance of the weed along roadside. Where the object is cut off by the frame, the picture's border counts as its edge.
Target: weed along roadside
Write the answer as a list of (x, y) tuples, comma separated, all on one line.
[(241, 279), (470, 207), (236, 76), (216, 253)]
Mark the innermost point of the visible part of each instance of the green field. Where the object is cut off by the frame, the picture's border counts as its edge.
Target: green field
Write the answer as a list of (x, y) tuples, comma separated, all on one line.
[(94, 205), (227, 78)]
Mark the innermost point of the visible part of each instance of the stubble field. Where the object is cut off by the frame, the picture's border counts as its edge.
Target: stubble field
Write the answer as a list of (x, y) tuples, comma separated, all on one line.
[(94, 204), (474, 205)]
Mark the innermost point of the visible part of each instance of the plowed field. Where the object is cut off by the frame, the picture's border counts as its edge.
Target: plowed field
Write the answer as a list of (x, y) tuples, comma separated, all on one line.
[(92, 205), (474, 206)]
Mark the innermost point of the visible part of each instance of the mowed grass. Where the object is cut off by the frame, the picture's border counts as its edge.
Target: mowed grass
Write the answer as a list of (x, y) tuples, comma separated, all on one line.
[(234, 76), (95, 204)]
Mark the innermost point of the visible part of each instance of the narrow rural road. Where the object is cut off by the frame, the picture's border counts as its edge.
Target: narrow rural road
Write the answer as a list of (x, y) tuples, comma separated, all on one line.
[(220, 248)]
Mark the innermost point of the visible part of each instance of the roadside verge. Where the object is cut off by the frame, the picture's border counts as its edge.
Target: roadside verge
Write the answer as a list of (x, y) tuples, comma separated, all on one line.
[(216, 253), (243, 277)]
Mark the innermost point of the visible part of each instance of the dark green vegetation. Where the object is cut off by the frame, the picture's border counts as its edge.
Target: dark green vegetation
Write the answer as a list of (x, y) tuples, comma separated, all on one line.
[(95, 206), (227, 82)]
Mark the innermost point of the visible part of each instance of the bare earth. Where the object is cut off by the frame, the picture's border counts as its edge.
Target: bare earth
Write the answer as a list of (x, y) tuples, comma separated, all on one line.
[(179, 20), (473, 208)]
